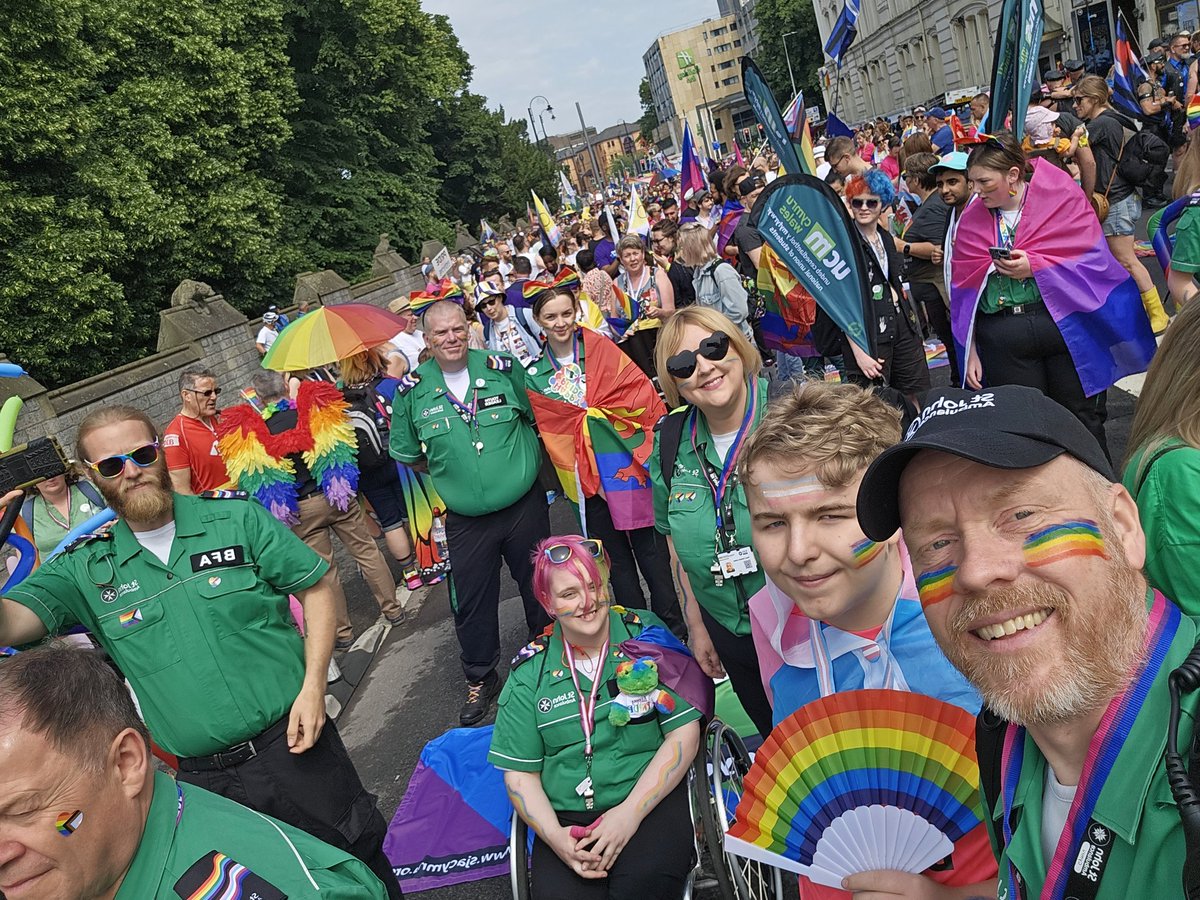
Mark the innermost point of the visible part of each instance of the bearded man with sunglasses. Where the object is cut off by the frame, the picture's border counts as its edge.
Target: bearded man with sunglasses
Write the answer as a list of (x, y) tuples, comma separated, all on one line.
[(189, 596), (190, 440)]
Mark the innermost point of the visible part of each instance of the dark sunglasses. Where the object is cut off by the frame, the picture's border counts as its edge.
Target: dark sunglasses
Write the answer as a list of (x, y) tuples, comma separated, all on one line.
[(713, 348), (112, 466), (864, 203), (489, 300), (211, 392), (560, 553)]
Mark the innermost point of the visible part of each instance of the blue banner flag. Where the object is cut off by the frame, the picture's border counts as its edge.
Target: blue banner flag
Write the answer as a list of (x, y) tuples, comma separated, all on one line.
[(1128, 72), (766, 110), (809, 228), (835, 127), (1015, 65), (844, 31)]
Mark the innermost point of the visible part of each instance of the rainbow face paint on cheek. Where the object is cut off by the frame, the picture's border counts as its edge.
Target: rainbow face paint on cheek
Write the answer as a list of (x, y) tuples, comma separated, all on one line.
[(936, 585), (865, 551), (1063, 541), (67, 823)]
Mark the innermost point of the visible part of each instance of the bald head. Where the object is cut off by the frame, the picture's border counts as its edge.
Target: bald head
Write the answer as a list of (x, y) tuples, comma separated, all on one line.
[(446, 334)]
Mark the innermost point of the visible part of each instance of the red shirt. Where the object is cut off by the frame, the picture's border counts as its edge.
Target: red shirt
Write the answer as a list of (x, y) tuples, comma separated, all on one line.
[(191, 444)]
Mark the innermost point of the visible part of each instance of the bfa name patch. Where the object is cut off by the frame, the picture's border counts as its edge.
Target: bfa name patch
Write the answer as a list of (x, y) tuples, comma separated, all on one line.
[(222, 557), (216, 875)]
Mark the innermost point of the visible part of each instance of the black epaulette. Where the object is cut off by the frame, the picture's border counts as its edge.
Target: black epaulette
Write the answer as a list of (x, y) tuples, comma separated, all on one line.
[(663, 418), (224, 495), (500, 362), (408, 382), (628, 616), (215, 869), (87, 539), (532, 649)]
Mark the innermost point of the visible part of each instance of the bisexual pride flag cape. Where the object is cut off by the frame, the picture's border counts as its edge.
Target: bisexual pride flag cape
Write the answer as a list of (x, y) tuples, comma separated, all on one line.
[(1091, 298), (603, 444)]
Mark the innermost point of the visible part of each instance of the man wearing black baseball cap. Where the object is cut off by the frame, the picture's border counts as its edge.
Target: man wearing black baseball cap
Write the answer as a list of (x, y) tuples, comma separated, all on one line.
[(1027, 561)]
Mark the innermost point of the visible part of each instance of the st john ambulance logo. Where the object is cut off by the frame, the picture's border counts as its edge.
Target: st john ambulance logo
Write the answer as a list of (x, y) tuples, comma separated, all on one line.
[(544, 705)]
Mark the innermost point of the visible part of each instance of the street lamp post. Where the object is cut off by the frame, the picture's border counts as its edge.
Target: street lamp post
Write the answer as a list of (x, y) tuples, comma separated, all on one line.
[(532, 126), (788, 57)]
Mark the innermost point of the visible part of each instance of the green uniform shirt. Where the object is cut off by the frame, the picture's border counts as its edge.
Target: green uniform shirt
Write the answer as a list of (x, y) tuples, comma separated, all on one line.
[(1135, 804), (538, 727), (1001, 292), (207, 640), (187, 825), (477, 468), (1168, 500), (687, 513)]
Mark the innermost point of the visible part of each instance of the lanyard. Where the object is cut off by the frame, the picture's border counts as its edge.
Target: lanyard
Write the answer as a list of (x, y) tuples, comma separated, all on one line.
[(1005, 237), (1101, 757), (554, 363), (587, 710), (892, 678), (720, 483), (467, 413)]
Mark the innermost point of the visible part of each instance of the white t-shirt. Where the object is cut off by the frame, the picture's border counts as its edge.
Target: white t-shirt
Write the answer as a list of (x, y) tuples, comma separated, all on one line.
[(410, 345), (723, 442), (266, 336), (459, 383), (1056, 805), (510, 339), (158, 541)]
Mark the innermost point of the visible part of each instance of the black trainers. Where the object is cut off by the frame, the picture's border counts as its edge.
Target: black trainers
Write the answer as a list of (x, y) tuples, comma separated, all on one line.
[(480, 695)]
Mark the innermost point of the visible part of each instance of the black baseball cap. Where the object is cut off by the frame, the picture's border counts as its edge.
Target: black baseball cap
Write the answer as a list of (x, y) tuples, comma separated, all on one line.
[(1053, 75), (1007, 427), (1073, 65)]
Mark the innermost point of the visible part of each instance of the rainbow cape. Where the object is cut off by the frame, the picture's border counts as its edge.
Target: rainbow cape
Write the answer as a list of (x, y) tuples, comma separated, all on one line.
[(604, 447), (258, 461), (1092, 299), (788, 309)]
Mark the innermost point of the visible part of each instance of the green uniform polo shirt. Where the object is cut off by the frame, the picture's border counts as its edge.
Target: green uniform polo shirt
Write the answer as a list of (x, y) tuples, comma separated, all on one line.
[(207, 640), (472, 480), (187, 825), (1135, 804), (1001, 292), (538, 727), (686, 513)]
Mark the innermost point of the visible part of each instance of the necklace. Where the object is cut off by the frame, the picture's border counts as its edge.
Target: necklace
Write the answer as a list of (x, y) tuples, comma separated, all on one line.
[(52, 512)]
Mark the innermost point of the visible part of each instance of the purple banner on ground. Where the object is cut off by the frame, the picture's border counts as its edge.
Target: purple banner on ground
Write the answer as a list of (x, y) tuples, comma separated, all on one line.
[(452, 825)]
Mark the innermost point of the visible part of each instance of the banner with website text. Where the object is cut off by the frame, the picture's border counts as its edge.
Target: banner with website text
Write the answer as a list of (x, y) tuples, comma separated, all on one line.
[(766, 110)]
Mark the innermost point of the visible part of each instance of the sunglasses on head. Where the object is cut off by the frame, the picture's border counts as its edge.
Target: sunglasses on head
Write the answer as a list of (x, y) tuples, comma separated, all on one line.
[(211, 392), (112, 466), (713, 348), (560, 553), (864, 203)]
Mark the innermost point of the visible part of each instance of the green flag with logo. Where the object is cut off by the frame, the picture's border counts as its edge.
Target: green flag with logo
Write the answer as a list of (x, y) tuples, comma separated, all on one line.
[(766, 110)]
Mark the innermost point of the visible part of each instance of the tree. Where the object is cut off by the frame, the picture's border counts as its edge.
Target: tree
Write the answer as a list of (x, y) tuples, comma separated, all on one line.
[(649, 120), (775, 18)]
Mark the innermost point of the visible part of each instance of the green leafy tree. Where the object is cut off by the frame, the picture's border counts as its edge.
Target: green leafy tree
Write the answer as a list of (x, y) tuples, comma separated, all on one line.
[(775, 19), (649, 120)]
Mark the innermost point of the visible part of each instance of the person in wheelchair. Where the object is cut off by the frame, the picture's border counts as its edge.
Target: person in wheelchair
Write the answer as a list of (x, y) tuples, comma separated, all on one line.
[(593, 745), (840, 612)]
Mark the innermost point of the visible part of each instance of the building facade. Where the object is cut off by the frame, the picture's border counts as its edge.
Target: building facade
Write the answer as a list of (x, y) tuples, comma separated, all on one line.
[(614, 147), (711, 99)]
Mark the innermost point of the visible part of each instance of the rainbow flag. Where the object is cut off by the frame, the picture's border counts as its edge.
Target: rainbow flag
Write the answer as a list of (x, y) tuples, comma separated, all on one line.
[(789, 309), (801, 133), (1193, 112), (630, 309), (1091, 298), (605, 446)]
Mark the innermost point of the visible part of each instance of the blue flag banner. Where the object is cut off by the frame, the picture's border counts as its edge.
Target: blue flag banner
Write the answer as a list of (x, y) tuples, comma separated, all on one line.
[(766, 110), (809, 228), (835, 127), (1015, 65), (843, 33), (1128, 72)]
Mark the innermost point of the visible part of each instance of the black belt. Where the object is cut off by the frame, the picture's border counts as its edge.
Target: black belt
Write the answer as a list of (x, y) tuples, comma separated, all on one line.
[(238, 753), (1023, 309)]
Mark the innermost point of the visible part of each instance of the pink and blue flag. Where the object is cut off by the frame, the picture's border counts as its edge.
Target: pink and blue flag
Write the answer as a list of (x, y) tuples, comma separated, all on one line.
[(691, 173), (1092, 299)]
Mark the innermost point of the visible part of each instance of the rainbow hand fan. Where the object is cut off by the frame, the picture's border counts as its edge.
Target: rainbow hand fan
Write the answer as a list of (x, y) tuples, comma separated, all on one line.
[(858, 781)]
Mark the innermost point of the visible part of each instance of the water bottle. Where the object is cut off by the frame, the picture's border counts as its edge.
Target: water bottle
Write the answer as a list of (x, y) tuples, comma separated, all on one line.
[(438, 535)]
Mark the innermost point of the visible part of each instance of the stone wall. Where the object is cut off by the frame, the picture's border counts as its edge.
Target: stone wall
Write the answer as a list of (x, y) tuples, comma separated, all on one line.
[(199, 327)]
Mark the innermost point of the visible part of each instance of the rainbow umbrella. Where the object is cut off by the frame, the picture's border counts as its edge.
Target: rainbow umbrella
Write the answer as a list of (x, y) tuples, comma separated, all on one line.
[(329, 334)]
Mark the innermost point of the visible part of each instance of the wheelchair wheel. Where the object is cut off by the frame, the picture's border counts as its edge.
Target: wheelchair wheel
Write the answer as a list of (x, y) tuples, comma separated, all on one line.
[(727, 764), (519, 872)]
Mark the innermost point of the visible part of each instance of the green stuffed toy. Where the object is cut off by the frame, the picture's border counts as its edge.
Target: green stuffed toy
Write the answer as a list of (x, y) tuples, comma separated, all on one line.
[(640, 694)]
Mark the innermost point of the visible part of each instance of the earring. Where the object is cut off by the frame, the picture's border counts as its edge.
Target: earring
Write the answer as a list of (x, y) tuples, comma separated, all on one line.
[(1012, 192)]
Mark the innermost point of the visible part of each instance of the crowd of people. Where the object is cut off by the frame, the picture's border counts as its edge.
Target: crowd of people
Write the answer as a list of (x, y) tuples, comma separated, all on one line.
[(802, 524)]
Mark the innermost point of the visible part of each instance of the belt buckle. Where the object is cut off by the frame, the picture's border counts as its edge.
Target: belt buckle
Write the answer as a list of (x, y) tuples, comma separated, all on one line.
[(1018, 310), (229, 758)]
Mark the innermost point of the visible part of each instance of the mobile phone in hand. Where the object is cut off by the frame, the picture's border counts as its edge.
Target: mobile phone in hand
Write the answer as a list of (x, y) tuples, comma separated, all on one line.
[(1000, 252)]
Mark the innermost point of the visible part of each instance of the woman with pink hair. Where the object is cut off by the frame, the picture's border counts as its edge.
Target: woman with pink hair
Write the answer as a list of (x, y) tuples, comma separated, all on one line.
[(595, 737)]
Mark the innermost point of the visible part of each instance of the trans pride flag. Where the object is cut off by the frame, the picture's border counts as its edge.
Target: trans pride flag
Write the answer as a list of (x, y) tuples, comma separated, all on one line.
[(1092, 299), (605, 445)]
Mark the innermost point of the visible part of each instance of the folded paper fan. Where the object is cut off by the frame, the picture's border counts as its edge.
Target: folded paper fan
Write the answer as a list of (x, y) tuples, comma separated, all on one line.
[(858, 781)]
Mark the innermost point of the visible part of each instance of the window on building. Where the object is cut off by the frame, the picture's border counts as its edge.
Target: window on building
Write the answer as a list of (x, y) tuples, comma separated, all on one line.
[(738, 42), (731, 81)]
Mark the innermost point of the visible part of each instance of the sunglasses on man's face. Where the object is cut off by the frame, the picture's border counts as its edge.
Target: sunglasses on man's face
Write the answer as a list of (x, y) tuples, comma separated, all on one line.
[(715, 347), (211, 392), (864, 203), (112, 466), (560, 553)]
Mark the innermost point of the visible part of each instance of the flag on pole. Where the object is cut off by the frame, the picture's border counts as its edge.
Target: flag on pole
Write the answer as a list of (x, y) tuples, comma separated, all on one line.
[(766, 110), (1128, 71), (801, 134), (485, 231), (549, 226), (844, 31), (639, 222), (612, 225), (835, 127), (691, 175), (737, 154), (566, 190), (1015, 65)]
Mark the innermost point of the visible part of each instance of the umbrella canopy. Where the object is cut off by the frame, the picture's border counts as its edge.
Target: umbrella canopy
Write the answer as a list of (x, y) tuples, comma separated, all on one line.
[(331, 333)]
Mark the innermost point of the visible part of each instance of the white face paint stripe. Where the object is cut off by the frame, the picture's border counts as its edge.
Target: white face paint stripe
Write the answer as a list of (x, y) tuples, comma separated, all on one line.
[(809, 484)]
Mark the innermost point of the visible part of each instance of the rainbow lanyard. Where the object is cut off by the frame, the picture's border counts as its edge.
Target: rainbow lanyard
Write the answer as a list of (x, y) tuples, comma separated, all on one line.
[(1005, 237), (587, 710), (720, 484), (554, 363), (892, 678), (1101, 757), (467, 412)]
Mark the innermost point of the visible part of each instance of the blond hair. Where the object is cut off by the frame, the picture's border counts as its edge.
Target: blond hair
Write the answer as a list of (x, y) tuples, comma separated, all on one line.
[(693, 245), (833, 430), (362, 367), (1094, 88), (671, 334), (1169, 405)]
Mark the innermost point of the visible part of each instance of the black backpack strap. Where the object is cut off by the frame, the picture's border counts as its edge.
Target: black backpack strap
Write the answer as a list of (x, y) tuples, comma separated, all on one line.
[(989, 749), (670, 434)]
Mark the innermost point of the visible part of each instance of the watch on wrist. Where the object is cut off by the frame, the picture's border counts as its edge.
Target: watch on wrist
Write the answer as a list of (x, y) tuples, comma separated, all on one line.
[(907, 249)]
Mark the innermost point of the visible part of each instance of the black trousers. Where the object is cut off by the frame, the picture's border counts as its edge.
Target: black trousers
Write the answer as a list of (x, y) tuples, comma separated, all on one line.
[(477, 545), (740, 660), (639, 347), (939, 320), (317, 791), (1028, 349), (641, 549), (653, 865), (904, 365)]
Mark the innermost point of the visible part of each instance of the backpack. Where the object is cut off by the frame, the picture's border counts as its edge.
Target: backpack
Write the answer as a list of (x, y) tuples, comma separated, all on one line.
[(1144, 155), (370, 413), (670, 434)]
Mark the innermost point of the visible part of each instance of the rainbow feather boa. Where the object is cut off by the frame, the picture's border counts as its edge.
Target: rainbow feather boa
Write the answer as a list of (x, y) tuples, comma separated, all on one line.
[(259, 463)]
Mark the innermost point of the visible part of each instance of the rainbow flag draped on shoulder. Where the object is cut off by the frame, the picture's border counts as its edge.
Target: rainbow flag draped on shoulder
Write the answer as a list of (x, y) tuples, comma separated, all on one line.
[(1091, 298), (601, 446)]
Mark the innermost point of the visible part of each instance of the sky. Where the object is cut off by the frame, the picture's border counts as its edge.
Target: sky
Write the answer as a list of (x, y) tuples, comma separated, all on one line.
[(566, 51)]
